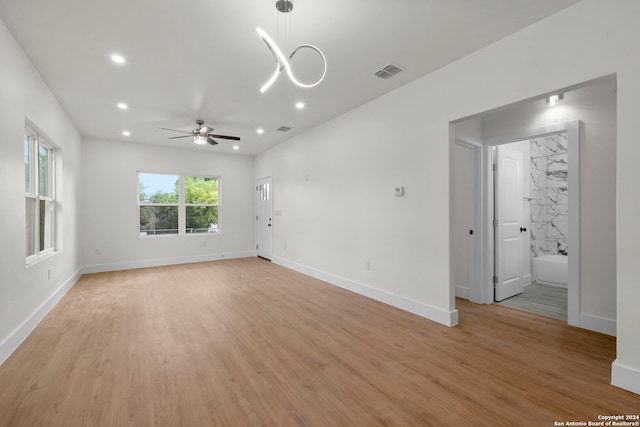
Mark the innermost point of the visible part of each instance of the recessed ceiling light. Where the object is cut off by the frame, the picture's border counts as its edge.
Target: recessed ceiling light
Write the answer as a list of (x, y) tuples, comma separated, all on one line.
[(236, 147), (123, 106), (118, 59), (126, 133), (260, 131), (299, 105)]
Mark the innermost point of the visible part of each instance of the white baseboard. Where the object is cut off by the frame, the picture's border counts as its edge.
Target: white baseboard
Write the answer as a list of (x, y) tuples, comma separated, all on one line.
[(462, 292), (447, 318), (13, 341), (101, 268), (598, 324), (625, 377)]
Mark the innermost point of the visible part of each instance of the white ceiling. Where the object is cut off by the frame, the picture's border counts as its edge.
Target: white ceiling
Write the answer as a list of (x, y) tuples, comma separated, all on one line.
[(202, 59)]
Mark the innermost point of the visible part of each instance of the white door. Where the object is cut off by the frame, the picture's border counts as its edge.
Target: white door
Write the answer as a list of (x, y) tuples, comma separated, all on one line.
[(463, 217), (509, 279), (264, 228)]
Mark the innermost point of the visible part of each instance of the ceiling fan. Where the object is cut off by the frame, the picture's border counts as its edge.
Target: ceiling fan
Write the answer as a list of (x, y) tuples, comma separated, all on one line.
[(202, 134)]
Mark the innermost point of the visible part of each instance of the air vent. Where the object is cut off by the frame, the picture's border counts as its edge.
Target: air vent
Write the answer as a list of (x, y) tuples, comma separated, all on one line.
[(388, 71), (284, 128)]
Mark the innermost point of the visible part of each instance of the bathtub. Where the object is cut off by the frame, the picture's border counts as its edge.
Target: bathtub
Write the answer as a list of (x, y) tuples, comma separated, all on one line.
[(551, 269)]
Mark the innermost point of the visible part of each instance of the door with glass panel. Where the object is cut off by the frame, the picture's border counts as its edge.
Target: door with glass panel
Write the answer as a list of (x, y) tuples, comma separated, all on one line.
[(264, 228)]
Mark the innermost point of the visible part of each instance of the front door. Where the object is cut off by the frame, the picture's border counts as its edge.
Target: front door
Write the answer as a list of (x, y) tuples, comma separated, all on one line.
[(264, 228), (509, 280)]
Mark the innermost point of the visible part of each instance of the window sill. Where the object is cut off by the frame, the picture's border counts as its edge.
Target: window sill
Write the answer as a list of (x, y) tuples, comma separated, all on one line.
[(36, 259), (165, 236)]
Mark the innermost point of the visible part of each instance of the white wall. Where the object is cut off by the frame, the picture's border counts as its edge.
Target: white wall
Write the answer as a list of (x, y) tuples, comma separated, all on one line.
[(334, 187), (27, 293), (345, 213), (109, 200), (595, 106)]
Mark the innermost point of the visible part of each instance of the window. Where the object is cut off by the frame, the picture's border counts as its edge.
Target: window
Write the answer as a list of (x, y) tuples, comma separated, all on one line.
[(177, 204), (201, 204), (158, 196), (40, 203)]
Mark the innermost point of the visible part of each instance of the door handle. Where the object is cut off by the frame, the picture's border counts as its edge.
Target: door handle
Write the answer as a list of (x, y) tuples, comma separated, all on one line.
[(522, 230)]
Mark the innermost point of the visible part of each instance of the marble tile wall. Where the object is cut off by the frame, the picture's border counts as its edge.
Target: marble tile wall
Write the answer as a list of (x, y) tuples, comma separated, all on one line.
[(549, 198)]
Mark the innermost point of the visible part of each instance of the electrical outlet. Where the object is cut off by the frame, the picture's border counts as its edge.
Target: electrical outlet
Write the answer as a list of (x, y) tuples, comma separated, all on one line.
[(367, 265), (399, 191), (97, 251)]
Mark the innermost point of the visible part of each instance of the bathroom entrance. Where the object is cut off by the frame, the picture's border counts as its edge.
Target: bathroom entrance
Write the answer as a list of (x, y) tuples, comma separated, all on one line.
[(531, 224), (533, 220), (582, 248)]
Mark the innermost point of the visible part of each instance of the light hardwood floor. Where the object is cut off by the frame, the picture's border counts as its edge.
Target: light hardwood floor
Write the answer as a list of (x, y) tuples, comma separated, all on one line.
[(248, 343)]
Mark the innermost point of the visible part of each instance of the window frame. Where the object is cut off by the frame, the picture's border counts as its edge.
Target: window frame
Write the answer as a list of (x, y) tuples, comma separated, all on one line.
[(141, 205), (187, 205), (32, 193), (181, 205)]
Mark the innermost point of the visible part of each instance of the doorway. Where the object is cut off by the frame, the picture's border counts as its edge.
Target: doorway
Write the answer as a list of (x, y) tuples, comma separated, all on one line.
[(531, 225), (534, 219), (587, 113), (264, 215)]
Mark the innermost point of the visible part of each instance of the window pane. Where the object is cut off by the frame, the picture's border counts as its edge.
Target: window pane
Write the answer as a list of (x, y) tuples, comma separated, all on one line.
[(202, 219), (31, 226), (155, 188), (158, 220), (43, 171), (26, 164), (200, 190), (46, 225)]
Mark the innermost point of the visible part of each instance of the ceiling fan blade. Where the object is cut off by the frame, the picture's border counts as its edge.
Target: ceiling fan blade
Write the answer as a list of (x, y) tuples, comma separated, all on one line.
[(176, 130), (234, 138), (182, 136), (211, 141)]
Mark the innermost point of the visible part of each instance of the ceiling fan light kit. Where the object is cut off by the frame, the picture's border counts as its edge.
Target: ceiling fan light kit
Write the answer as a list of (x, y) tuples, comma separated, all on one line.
[(284, 63), (202, 134), (199, 140)]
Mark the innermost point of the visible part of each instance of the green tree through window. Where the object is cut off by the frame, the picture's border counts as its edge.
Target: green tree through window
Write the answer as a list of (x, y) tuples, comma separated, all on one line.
[(201, 200), (165, 200)]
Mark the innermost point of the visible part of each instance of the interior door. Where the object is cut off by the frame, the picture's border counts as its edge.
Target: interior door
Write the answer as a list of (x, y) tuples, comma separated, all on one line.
[(509, 280), (264, 228), (463, 217)]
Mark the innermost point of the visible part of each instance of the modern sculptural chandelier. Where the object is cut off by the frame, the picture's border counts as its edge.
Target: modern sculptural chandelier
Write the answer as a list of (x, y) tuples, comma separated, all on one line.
[(283, 62)]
